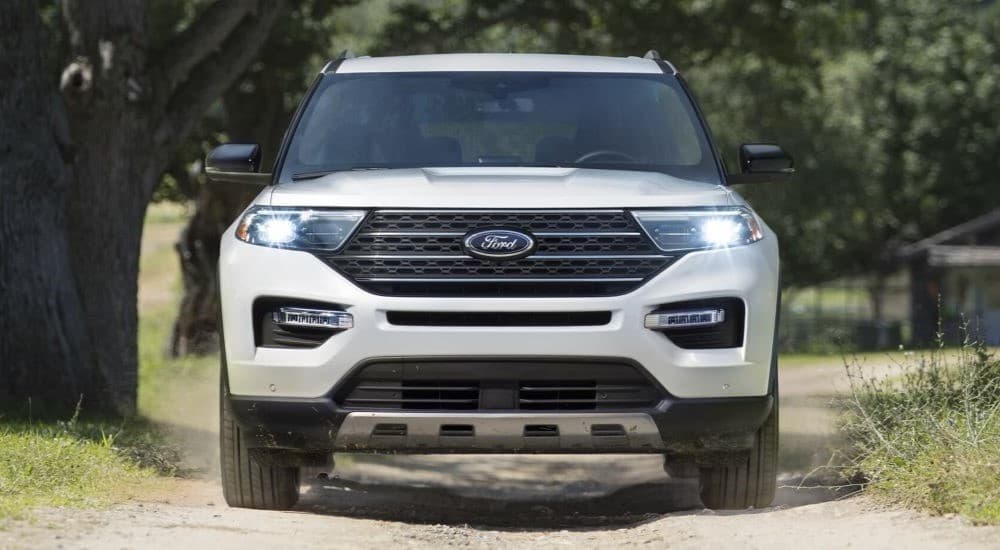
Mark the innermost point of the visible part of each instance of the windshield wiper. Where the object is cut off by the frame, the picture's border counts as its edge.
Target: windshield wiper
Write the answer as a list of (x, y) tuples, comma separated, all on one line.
[(320, 173)]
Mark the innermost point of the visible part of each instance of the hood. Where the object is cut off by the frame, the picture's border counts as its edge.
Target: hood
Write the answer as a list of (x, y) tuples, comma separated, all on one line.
[(489, 187)]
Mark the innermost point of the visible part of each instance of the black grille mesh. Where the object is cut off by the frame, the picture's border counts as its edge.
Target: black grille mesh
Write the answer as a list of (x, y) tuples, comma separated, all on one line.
[(363, 268), (541, 221), (419, 253), (452, 244), (498, 385)]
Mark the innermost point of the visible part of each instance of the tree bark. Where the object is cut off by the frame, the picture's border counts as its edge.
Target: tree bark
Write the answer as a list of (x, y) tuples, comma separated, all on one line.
[(71, 215), (41, 330), (195, 330), (127, 113), (876, 296), (115, 164)]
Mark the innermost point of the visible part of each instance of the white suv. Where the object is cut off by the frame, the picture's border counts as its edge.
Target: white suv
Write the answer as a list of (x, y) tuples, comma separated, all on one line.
[(499, 253)]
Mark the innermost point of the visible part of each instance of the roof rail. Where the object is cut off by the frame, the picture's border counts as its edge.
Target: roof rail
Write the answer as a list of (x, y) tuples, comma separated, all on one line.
[(331, 65), (667, 66)]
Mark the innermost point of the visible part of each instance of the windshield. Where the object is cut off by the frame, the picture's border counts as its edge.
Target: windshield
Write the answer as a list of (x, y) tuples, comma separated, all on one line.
[(410, 120)]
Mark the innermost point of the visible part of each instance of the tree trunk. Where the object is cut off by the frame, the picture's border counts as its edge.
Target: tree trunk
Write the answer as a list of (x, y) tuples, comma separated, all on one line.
[(41, 330), (876, 296), (254, 114), (198, 250), (71, 216), (110, 97), (127, 113)]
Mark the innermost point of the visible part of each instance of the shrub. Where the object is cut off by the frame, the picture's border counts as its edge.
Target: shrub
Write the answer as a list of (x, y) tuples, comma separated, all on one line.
[(929, 437)]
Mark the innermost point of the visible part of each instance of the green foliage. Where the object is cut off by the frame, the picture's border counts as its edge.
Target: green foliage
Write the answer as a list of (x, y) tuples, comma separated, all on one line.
[(687, 30), (891, 129), (258, 106), (931, 437)]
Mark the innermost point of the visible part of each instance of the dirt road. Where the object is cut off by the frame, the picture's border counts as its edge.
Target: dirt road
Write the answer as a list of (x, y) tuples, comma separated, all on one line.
[(503, 501)]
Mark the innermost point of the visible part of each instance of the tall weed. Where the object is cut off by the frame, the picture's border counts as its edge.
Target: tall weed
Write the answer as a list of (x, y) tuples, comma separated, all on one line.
[(927, 432)]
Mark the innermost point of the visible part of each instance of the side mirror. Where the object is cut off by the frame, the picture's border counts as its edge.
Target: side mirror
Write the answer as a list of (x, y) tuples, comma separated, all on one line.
[(762, 162), (236, 163)]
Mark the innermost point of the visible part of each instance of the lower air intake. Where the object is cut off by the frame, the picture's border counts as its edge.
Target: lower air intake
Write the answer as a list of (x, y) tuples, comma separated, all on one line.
[(477, 384)]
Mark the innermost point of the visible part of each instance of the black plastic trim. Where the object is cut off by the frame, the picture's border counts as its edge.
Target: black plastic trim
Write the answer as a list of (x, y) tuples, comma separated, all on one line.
[(269, 335), (688, 426), (507, 384), (499, 318), (510, 289), (728, 334)]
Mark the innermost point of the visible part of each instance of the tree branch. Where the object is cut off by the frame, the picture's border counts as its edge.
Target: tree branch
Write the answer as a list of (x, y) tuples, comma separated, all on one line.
[(214, 74), (199, 40)]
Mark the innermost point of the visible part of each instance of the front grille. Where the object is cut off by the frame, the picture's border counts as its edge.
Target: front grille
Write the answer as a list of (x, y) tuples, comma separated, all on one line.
[(419, 253), (464, 266), (535, 221), (418, 245), (447, 385)]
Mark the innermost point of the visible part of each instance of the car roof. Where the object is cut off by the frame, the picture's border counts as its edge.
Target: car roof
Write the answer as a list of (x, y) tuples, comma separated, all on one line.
[(498, 62)]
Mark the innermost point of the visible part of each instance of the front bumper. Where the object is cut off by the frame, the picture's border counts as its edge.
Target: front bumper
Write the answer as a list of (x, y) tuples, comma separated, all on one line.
[(249, 272), (687, 427)]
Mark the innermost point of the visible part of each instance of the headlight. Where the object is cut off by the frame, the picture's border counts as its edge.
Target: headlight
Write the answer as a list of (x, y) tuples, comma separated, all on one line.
[(685, 230), (298, 228)]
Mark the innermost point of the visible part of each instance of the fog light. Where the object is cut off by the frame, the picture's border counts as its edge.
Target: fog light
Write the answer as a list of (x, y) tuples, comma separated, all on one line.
[(685, 318), (313, 318)]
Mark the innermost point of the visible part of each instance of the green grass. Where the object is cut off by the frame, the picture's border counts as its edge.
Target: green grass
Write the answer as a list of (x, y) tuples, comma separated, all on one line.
[(930, 437), (813, 360), (869, 358), (159, 274), (167, 212), (158, 374), (77, 463), (91, 463)]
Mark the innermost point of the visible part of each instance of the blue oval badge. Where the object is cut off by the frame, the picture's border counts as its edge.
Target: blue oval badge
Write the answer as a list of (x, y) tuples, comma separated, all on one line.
[(499, 244)]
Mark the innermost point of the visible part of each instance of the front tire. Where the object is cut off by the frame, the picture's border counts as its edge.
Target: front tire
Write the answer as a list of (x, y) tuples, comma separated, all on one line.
[(245, 482), (750, 480)]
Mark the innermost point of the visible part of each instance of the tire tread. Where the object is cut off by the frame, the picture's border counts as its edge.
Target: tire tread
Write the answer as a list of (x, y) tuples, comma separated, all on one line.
[(749, 481), (245, 482)]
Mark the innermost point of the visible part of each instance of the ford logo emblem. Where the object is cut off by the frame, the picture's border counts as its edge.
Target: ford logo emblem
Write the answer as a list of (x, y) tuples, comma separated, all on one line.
[(498, 244)]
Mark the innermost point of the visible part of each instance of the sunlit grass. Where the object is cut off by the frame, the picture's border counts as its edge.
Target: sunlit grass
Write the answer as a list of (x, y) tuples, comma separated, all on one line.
[(160, 276), (56, 465), (158, 373), (869, 358)]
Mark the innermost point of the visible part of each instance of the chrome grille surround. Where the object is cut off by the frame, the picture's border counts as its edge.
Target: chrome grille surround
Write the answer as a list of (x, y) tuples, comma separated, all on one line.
[(419, 253)]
